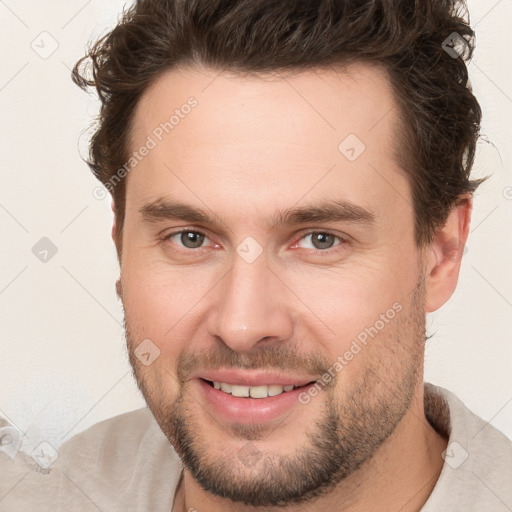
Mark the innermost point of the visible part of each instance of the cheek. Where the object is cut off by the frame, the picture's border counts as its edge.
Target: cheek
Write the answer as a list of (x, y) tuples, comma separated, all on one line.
[(362, 311), (168, 304), (347, 300), (160, 303)]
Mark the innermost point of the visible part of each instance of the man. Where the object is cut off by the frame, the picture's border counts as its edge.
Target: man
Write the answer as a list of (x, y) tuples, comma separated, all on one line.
[(292, 194)]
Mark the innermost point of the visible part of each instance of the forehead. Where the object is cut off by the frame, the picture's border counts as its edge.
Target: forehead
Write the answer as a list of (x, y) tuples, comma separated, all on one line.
[(267, 137), (247, 108)]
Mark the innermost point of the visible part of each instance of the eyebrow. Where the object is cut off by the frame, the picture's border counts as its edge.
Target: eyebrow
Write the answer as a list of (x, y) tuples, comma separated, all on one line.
[(328, 211)]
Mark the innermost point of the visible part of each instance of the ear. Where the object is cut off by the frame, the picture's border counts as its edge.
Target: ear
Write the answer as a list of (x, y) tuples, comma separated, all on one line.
[(115, 234), (114, 231), (444, 255), (119, 286)]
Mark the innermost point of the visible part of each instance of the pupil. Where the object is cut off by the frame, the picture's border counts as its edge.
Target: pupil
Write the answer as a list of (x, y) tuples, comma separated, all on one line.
[(320, 238), (191, 239)]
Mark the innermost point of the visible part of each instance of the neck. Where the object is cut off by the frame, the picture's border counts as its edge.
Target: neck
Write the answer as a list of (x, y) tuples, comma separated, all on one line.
[(400, 476)]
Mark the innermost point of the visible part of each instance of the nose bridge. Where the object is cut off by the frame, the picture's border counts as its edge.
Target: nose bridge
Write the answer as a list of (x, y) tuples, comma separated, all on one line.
[(249, 305)]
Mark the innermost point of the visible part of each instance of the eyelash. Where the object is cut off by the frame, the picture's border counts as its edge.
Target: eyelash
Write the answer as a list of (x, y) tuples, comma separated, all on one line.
[(342, 241)]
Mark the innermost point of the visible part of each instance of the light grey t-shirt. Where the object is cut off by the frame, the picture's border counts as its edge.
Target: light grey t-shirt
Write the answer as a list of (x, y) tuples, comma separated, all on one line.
[(126, 464)]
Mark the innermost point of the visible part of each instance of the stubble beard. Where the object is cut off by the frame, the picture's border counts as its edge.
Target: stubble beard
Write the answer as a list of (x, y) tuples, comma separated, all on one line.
[(347, 434)]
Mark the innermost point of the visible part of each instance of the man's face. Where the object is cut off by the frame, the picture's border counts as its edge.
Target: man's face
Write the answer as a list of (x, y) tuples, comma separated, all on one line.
[(258, 296)]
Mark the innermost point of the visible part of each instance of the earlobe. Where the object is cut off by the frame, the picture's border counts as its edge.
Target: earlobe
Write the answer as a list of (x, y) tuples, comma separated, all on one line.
[(119, 285), (445, 254), (114, 231), (119, 289)]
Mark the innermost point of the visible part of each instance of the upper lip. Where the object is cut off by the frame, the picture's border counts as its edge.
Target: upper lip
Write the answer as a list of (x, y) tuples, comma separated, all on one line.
[(252, 377)]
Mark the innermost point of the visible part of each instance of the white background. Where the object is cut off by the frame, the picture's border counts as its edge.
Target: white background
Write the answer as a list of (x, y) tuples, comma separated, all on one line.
[(63, 363)]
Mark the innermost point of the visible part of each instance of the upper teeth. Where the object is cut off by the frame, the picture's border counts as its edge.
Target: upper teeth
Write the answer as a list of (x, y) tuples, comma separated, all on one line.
[(252, 391)]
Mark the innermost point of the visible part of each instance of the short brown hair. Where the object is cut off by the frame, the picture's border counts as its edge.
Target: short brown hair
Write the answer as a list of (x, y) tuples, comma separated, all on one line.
[(441, 116)]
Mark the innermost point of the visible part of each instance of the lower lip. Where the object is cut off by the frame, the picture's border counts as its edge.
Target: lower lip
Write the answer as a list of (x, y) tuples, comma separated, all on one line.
[(235, 409)]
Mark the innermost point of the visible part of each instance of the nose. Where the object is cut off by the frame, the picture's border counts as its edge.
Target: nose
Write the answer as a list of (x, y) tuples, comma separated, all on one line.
[(250, 305)]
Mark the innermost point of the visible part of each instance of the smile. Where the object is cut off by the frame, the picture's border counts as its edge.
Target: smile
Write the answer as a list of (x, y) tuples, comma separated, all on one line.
[(262, 391)]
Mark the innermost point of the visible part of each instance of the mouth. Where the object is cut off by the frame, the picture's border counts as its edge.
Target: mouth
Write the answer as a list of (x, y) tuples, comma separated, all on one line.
[(261, 391), (249, 405)]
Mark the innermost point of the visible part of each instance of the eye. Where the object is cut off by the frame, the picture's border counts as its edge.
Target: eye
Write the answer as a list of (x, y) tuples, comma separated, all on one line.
[(190, 239), (321, 240)]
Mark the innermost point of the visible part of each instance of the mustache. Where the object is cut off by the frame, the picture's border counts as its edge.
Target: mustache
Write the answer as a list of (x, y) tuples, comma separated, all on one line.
[(281, 358)]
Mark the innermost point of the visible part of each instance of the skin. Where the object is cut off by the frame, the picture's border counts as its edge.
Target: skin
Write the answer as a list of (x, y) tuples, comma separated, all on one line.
[(252, 147)]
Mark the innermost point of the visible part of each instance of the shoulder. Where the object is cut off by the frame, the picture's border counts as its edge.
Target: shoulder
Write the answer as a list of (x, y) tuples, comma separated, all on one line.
[(114, 434), (477, 472), (119, 462), (478, 437)]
